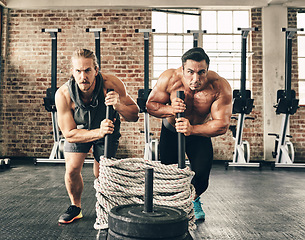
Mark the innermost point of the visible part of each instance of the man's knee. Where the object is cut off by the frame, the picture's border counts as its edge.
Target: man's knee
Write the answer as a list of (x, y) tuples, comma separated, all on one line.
[(73, 172), (96, 169), (74, 163)]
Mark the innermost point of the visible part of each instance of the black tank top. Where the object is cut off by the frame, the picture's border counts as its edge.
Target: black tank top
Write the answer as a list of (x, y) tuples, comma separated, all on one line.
[(89, 116)]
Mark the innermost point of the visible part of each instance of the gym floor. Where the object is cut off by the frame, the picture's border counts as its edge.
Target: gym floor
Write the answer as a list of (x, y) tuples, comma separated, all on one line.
[(241, 203)]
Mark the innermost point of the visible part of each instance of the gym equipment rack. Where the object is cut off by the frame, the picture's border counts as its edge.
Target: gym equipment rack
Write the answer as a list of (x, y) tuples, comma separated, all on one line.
[(242, 104)]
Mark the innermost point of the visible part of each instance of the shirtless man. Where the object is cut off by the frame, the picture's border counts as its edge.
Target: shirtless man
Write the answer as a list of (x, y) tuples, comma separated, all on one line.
[(81, 107), (207, 107)]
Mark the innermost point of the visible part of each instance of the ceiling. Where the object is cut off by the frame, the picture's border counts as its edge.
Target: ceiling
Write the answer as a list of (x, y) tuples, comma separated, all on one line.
[(59, 4)]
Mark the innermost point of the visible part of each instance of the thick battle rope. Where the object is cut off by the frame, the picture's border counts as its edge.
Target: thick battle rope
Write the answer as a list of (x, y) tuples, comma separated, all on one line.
[(121, 182)]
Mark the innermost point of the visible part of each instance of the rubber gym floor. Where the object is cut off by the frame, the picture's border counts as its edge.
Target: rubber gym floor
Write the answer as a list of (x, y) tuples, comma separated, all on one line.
[(240, 203)]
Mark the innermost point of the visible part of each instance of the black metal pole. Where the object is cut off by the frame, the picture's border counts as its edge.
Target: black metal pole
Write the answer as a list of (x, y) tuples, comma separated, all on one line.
[(146, 64), (195, 41), (53, 34), (181, 138), (54, 66), (146, 60), (98, 48), (244, 35), (109, 115), (97, 37), (196, 36), (148, 197), (243, 64), (288, 55)]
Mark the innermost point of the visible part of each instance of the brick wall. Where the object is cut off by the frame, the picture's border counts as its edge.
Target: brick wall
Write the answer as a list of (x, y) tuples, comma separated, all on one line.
[(25, 126), (254, 129)]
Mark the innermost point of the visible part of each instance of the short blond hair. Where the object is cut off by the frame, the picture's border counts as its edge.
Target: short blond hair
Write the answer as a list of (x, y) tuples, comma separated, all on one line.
[(85, 53)]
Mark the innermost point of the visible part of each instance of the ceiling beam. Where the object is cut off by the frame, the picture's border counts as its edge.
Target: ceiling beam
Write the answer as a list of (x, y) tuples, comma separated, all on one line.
[(38, 4)]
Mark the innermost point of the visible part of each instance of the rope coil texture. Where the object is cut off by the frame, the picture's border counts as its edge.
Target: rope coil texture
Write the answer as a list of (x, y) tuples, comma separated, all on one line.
[(121, 182)]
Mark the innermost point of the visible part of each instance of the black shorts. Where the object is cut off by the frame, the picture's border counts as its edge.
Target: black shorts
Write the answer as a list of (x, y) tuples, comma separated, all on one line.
[(199, 151), (98, 148)]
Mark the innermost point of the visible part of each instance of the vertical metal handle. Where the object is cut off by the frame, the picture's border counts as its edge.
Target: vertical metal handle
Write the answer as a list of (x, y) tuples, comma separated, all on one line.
[(109, 115), (181, 138)]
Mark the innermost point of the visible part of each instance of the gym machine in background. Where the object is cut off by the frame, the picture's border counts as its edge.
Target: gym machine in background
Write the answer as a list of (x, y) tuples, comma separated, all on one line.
[(57, 153), (97, 34), (151, 145), (287, 104), (242, 104), (196, 36), (49, 103)]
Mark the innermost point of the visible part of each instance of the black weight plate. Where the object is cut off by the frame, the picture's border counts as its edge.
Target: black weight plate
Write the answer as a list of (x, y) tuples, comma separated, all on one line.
[(163, 222)]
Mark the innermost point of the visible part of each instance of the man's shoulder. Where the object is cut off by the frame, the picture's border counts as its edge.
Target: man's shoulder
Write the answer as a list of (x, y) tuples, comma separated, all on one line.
[(170, 80), (212, 75), (109, 79), (215, 78), (108, 76), (63, 93), (171, 76), (220, 84), (171, 73)]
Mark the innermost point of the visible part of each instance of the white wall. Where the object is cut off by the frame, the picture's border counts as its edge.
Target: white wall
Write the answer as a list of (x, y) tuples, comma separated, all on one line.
[(274, 19)]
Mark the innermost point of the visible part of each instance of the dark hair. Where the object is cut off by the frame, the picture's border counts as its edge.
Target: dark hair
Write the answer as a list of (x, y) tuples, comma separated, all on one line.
[(197, 54)]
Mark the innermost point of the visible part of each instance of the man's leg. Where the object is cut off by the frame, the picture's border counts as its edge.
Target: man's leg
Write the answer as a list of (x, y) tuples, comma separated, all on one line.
[(98, 151), (73, 178), (75, 154), (74, 185), (96, 168), (200, 153), (168, 146)]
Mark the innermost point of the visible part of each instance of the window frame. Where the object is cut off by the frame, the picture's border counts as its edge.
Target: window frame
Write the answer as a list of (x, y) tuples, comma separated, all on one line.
[(300, 80), (231, 54)]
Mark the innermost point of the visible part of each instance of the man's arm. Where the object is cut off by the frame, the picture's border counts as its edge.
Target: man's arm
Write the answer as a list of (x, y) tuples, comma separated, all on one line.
[(221, 115), (221, 111), (120, 100), (159, 103), (68, 126)]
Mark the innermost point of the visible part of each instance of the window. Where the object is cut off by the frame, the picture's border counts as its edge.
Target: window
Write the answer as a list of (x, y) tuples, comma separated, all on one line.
[(170, 40), (222, 42), (301, 57)]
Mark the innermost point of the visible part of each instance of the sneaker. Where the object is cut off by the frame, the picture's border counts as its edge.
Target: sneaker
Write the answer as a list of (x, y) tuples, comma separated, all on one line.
[(199, 213), (73, 212)]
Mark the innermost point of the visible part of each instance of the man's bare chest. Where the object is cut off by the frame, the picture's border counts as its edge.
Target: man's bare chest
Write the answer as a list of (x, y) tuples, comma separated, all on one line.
[(200, 102)]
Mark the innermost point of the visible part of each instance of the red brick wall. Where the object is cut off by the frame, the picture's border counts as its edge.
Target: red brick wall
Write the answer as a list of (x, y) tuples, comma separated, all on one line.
[(254, 129), (25, 126)]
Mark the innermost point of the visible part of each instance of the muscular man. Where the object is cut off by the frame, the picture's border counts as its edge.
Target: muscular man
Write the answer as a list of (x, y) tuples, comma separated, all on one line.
[(207, 107), (81, 106)]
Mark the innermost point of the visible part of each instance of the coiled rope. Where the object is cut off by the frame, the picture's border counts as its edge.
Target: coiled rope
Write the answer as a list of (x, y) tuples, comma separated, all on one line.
[(121, 182)]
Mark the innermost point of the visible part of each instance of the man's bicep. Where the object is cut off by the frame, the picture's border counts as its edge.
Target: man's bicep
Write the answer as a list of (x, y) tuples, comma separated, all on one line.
[(159, 95), (221, 109), (127, 100), (64, 114)]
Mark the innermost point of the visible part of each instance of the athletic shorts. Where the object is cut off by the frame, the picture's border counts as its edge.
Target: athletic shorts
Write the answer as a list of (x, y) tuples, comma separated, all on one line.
[(98, 148)]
